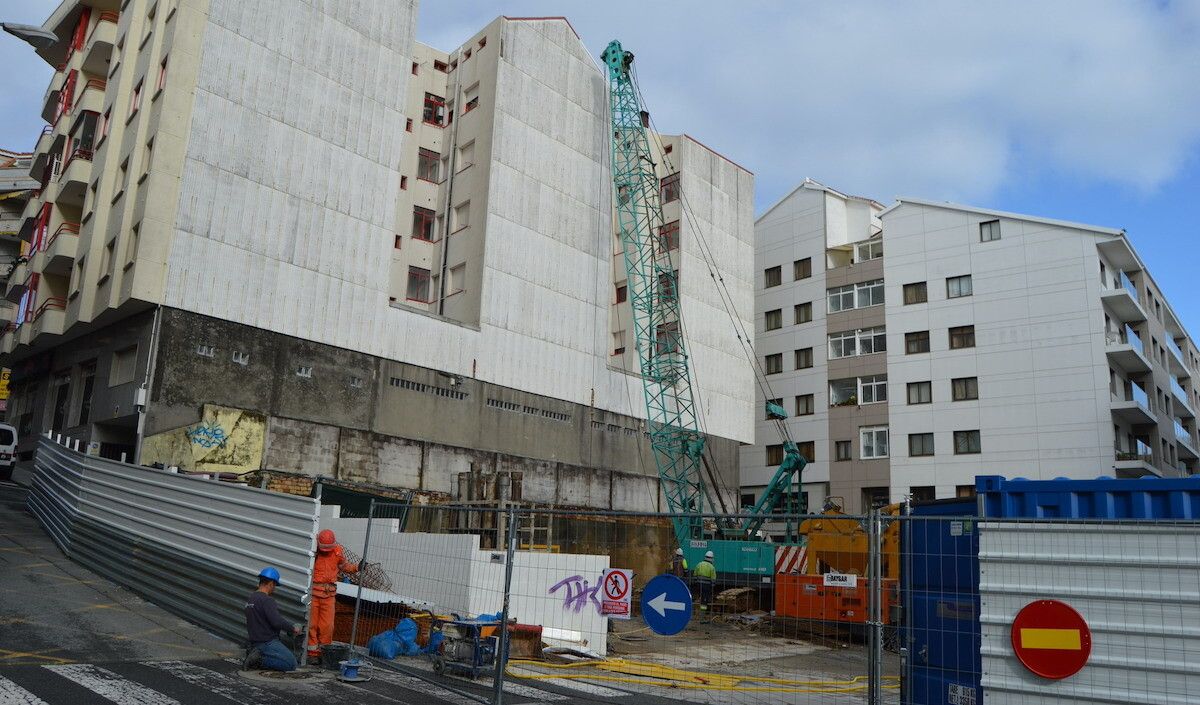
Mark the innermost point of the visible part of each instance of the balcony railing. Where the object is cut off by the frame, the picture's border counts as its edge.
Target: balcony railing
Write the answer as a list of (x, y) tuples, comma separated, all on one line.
[(1182, 433), (1126, 336), (97, 83), (1124, 282), (84, 154), (1141, 451), (107, 16), (71, 228), (1174, 348), (53, 303)]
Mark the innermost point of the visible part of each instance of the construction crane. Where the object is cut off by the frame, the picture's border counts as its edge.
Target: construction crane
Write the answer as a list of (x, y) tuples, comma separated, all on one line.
[(672, 414)]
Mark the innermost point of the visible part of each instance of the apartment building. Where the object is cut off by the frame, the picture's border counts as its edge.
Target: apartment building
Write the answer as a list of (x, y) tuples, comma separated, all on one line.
[(16, 186), (925, 343), (295, 238)]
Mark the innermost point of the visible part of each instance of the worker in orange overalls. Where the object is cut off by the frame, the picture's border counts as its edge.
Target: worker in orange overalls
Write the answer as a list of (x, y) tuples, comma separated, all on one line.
[(329, 563)]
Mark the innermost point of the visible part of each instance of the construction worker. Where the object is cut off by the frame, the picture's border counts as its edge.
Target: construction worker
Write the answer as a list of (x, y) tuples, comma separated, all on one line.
[(705, 577), (263, 624), (679, 566), (330, 562)]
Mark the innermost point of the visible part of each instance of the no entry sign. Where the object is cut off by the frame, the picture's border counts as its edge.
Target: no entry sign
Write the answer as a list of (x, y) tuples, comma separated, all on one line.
[(1051, 639)]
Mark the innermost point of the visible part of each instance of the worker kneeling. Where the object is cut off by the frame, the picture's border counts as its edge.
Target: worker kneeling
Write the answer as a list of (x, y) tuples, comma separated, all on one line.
[(329, 563), (263, 624)]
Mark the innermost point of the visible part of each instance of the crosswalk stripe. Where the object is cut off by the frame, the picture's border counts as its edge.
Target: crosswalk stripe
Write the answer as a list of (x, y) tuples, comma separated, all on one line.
[(13, 694), (576, 684), (237, 690), (416, 684), (109, 685), (511, 688)]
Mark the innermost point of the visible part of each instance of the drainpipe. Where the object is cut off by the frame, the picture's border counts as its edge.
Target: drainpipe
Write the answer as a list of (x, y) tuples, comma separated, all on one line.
[(143, 393), (451, 163)]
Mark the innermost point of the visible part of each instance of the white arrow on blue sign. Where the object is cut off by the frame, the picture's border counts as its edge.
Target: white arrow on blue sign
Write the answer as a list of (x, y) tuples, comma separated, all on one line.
[(666, 605)]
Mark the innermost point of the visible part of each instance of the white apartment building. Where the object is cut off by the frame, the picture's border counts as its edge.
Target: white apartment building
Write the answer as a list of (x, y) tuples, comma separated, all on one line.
[(932, 342), (396, 262)]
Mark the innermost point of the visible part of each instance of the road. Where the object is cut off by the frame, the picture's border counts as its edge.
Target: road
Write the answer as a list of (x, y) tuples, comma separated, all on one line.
[(70, 637)]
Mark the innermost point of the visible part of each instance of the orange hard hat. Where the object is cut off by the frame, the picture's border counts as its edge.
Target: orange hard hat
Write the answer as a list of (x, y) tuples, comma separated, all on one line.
[(326, 541)]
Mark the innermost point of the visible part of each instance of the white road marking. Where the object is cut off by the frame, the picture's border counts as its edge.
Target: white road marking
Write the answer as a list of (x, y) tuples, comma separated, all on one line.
[(576, 684), (510, 687), (416, 684), (107, 684), (236, 689), (13, 694)]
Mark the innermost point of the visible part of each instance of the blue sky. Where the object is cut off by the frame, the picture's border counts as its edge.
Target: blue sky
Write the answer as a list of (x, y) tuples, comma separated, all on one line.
[(1080, 110)]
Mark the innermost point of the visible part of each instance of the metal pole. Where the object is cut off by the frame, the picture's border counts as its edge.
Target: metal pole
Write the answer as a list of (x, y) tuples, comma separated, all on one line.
[(362, 561), (502, 655), (874, 611), (308, 612)]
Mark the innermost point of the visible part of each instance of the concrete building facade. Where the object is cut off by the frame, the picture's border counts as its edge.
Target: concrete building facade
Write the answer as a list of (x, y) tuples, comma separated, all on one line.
[(949, 341), (282, 246), (16, 187)]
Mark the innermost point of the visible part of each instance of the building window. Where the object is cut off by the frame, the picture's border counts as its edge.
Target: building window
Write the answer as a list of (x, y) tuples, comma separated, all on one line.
[(802, 268), (852, 296), (88, 376), (427, 165), (966, 442), (666, 338), (920, 444), (772, 277), (105, 123), (916, 342), (440, 66), (466, 155), (774, 319), (841, 450), (872, 389), (873, 442), (774, 363), (457, 278), (418, 285), (162, 74), (922, 494), (408, 125), (964, 491), (748, 499), (124, 365), (962, 337), (964, 388), (915, 293), (864, 251), (775, 454), (957, 287), (920, 392), (135, 100), (482, 42), (805, 405), (804, 358), (807, 450), (839, 298), (669, 188), (668, 236), (403, 183), (864, 341), (131, 247), (843, 392), (461, 216), (802, 312), (423, 220), (435, 110), (622, 293), (471, 98), (619, 343), (989, 231)]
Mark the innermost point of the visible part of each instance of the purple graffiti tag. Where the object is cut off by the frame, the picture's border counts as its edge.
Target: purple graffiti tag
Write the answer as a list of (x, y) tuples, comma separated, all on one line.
[(578, 593)]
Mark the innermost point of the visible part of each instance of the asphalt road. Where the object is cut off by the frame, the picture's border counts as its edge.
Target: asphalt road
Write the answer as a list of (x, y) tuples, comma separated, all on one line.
[(70, 637)]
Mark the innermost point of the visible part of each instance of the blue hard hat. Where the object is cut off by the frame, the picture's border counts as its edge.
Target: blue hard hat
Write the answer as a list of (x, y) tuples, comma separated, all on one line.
[(269, 574)]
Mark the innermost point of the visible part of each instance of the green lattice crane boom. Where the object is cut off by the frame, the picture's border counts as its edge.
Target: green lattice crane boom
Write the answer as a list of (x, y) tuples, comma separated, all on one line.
[(653, 292)]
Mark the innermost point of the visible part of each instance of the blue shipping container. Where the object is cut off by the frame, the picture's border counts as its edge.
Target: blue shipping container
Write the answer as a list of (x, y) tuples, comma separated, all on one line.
[(1104, 498)]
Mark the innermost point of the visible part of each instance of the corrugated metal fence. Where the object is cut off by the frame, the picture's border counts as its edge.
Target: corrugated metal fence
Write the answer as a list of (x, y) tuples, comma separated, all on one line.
[(190, 545)]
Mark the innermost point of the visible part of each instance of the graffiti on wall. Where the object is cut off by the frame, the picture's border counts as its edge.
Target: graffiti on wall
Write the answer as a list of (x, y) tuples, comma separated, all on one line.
[(225, 440), (577, 594)]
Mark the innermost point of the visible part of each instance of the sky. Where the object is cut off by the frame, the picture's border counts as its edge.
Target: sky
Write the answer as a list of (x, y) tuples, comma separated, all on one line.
[(1080, 110)]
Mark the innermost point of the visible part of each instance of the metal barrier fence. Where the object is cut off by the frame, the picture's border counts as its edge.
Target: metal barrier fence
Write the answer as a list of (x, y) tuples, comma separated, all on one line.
[(899, 609), (190, 545)]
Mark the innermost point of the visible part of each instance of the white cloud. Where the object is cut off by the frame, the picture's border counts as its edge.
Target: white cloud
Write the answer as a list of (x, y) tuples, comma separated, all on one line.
[(942, 99)]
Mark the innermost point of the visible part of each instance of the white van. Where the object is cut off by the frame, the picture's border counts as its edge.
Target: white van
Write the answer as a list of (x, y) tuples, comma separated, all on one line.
[(8, 451)]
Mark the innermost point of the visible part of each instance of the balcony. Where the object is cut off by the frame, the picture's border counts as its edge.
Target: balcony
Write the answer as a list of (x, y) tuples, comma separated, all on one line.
[(1182, 401), (1124, 349), (1138, 462), (49, 318), (1184, 442), (60, 250), (97, 50), (72, 185), (1133, 408), (1175, 360), (41, 151), (50, 98), (90, 99), (1122, 299), (18, 283)]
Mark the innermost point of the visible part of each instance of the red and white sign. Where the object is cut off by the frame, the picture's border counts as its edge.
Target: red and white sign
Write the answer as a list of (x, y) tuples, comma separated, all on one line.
[(1051, 639), (616, 588), (790, 560)]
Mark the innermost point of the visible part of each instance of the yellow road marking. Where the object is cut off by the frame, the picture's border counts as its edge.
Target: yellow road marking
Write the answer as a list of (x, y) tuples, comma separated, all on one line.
[(1062, 639)]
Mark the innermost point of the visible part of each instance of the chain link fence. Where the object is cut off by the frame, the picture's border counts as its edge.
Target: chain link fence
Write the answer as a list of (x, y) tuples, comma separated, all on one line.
[(521, 604)]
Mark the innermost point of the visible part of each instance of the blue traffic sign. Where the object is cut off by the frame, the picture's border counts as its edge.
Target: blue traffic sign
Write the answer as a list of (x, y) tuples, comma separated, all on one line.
[(666, 605)]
